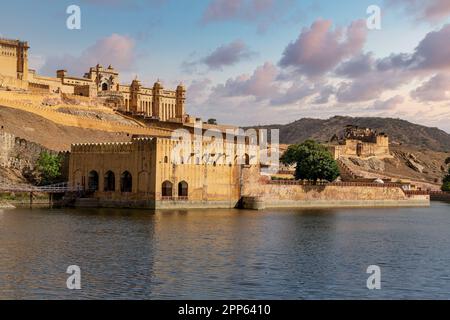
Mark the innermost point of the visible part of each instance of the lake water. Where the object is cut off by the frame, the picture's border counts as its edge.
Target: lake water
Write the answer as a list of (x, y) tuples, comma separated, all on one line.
[(225, 254)]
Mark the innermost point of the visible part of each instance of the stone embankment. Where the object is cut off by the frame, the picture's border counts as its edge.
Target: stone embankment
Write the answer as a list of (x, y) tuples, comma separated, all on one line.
[(261, 192), (440, 196)]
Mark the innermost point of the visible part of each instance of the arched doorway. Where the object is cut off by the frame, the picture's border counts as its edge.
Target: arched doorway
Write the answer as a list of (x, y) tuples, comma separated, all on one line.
[(359, 149), (167, 189), (110, 181), (104, 86), (93, 181), (183, 189), (126, 182)]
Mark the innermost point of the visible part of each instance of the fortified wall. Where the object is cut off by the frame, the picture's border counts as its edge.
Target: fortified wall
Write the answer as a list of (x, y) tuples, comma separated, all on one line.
[(21, 155), (259, 192), (18, 153), (360, 142)]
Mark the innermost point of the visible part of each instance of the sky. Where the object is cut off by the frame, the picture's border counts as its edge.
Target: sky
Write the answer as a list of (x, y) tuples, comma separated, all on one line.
[(249, 62)]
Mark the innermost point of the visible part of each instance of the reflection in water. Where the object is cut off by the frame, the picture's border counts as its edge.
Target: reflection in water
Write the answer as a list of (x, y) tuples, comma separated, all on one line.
[(229, 254)]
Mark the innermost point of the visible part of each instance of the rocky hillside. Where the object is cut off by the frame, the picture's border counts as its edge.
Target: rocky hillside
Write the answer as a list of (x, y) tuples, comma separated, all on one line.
[(418, 152), (401, 132), (424, 169)]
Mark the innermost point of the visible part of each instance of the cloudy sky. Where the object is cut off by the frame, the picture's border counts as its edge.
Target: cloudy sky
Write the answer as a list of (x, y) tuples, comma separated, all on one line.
[(257, 61)]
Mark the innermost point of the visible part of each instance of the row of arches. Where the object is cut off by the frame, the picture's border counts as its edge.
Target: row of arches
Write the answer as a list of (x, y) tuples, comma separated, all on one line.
[(109, 179), (167, 189), (126, 184)]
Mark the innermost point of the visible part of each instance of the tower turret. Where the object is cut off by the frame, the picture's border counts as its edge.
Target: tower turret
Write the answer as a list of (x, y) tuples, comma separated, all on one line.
[(134, 95), (157, 96), (180, 102)]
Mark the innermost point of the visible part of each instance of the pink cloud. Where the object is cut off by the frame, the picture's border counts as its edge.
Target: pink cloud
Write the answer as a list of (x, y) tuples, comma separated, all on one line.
[(259, 85), (116, 50), (294, 93), (198, 90), (388, 104), (435, 89), (222, 10), (227, 55), (356, 66), (371, 85), (319, 49), (433, 52), (263, 12), (429, 10)]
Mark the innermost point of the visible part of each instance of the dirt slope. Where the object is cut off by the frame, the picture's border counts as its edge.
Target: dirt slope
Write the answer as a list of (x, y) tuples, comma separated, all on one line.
[(53, 136)]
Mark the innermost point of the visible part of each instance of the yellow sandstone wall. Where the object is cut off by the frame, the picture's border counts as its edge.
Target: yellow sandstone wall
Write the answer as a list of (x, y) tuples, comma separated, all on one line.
[(356, 148), (213, 181), (331, 192), (135, 158), (150, 164), (8, 81), (259, 192)]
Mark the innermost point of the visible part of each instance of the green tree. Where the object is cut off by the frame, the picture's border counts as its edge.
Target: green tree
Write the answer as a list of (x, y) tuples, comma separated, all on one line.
[(48, 167), (446, 182), (314, 162)]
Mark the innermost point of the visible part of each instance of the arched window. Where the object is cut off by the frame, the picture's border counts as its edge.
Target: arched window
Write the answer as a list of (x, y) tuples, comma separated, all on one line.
[(93, 181), (126, 182), (166, 159), (110, 181), (247, 159), (167, 189), (183, 189), (104, 86)]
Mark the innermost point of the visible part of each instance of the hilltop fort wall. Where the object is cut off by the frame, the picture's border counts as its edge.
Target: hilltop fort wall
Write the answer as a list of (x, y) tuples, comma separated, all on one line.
[(360, 142), (21, 155)]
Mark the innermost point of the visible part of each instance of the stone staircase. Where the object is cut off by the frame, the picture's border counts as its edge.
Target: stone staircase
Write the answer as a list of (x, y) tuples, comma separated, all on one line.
[(346, 172)]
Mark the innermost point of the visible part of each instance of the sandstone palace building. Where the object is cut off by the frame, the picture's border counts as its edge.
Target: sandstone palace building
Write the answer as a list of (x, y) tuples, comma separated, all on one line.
[(13, 60), (155, 168), (144, 173), (151, 102)]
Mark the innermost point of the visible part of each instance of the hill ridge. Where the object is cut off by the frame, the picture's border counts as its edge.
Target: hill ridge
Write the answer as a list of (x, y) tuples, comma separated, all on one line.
[(400, 131)]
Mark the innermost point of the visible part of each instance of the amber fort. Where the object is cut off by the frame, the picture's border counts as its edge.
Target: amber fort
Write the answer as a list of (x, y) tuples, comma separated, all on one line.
[(212, 172)]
